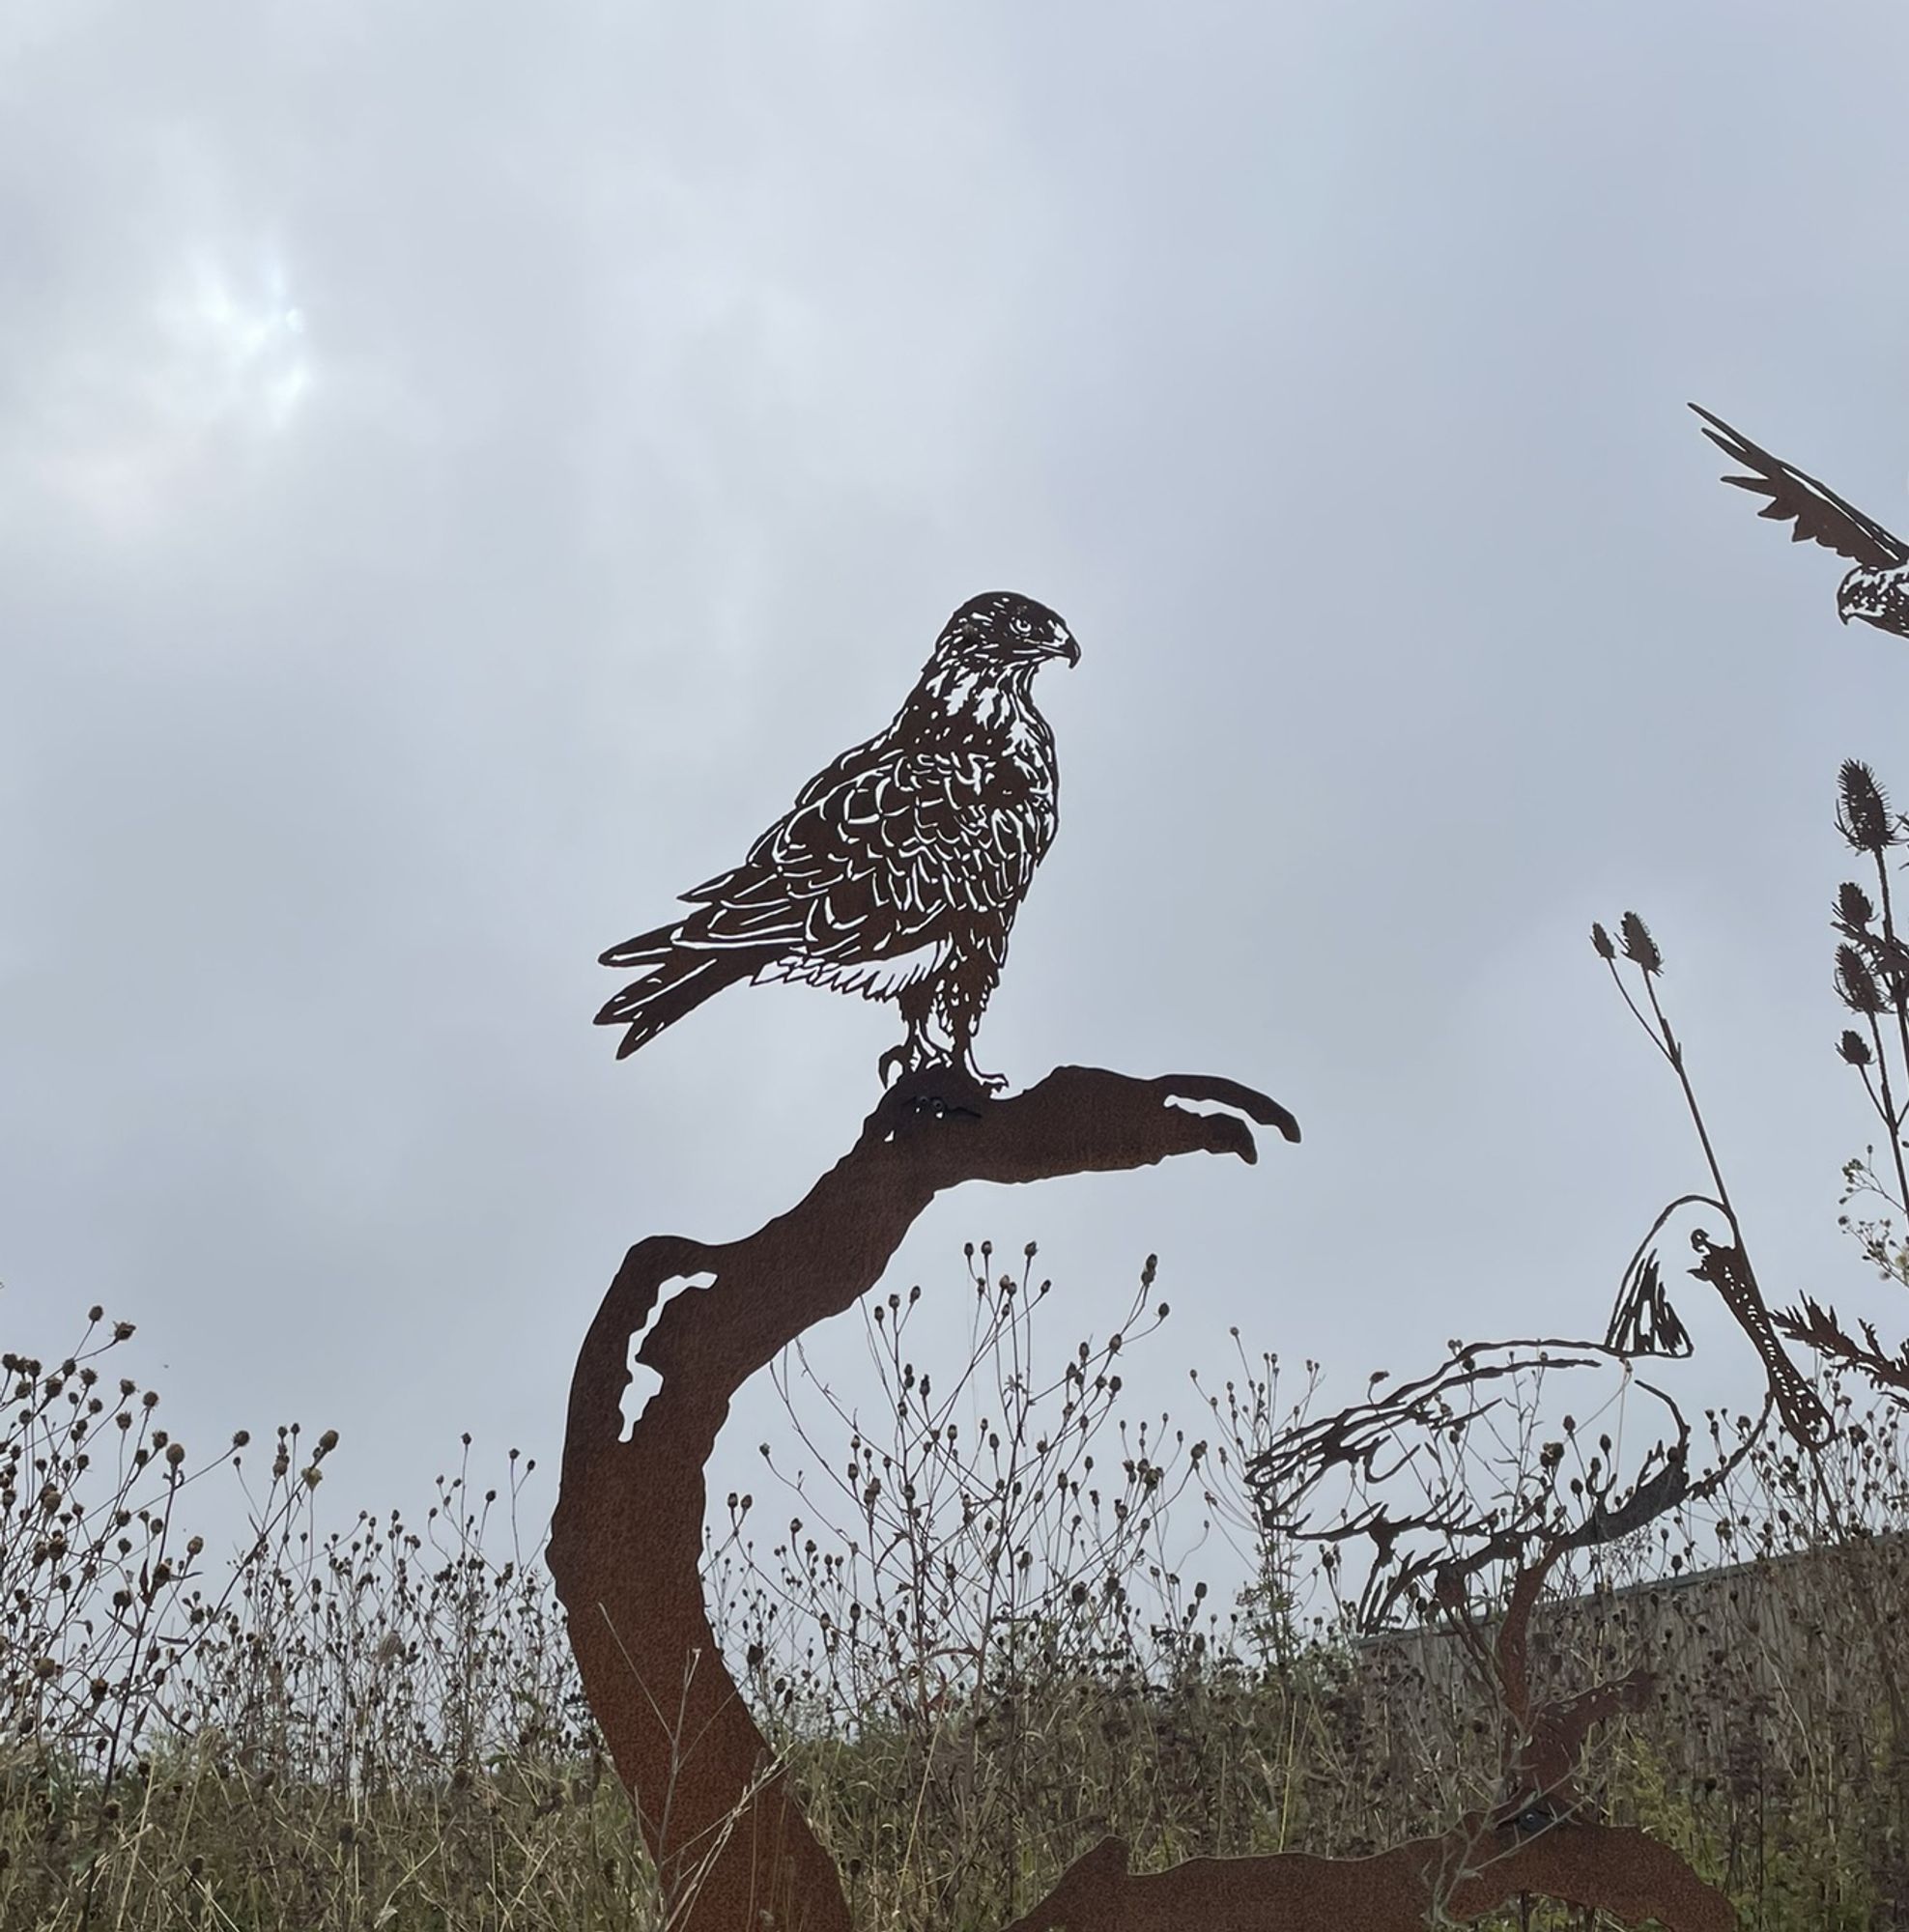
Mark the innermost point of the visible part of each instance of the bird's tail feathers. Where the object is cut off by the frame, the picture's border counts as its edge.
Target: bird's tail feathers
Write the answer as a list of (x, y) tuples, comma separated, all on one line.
[(679, 984), (646, 948)]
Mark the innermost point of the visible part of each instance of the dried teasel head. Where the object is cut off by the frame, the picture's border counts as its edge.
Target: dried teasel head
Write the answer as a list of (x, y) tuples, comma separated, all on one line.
[(1639, 947), (1863, 814), (1856, 985), (1855, 909)]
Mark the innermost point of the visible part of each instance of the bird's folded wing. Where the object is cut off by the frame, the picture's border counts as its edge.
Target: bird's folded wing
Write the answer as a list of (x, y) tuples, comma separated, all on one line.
[(1818, 511), (895, 853)]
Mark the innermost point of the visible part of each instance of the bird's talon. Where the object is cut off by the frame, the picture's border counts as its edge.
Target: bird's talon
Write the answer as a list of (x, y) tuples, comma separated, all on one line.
[(939, 1091)]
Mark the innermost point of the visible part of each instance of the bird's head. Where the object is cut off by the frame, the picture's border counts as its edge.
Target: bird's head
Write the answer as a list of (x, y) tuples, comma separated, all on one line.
[(1001, 628), (1849, 594), (1877, 598)]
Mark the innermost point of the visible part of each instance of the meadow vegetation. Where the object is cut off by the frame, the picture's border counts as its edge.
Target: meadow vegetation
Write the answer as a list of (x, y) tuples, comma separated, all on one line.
[(985, 1656), (997, 1622)]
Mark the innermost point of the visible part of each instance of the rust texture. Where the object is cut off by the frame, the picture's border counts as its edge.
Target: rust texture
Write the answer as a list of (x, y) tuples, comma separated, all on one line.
[(732, 1846), (1472, 1869), (1545, 1838), (1544, 1841), (897, 871)]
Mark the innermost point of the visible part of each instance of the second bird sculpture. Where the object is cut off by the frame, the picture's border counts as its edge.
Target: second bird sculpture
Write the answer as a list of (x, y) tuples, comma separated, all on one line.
[(1877, 590), (898, 870)]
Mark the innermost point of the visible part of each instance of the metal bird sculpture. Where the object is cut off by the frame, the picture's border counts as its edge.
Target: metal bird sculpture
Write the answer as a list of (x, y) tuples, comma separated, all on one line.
[(898, 870), (1877, 590)]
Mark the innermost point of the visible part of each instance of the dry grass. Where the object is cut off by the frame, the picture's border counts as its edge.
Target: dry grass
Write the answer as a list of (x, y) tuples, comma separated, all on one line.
[(980, 1656), (382, 1728)]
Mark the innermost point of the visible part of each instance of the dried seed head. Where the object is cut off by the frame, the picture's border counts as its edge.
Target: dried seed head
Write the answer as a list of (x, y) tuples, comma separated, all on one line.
[(1639, 947), (1856, 985), (1854, 906), (1863, 809), (1601, 942), (1854, 1048)]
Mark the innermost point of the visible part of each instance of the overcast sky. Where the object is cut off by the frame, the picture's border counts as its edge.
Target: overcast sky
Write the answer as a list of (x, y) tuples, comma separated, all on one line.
[(461, 468)]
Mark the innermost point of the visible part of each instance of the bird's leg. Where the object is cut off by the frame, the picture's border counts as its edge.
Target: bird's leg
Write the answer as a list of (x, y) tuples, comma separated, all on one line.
[(917, 1051), (988, 1083), (935, 1083), (932, 1069), (930, 1082), (959, 1008)]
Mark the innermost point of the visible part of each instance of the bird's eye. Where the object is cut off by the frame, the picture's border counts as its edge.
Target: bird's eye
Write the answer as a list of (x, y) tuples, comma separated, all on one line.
[(1022, 626)]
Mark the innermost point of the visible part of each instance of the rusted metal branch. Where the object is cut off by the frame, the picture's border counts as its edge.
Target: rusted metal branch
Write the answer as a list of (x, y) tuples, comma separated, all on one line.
[(729, 1839)]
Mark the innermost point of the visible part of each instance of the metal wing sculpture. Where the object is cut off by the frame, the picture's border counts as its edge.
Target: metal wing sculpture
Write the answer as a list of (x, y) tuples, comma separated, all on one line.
[(898, 870), (1877, 590)]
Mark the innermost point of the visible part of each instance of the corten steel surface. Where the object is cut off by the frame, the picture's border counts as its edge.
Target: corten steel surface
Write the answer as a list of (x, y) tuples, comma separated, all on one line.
[(1472, 1869), (1643, 1323), (1543, 1838), (1431, 1535), (1877, 590), (730, 1844), (1543, 1842), (898, 872)]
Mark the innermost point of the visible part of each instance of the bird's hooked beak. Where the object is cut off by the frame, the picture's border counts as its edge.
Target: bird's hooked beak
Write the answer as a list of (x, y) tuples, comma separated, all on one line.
[(1062, 643)]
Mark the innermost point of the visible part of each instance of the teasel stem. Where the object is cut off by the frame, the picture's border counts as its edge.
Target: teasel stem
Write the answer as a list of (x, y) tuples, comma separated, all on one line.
[(1900, 1001)]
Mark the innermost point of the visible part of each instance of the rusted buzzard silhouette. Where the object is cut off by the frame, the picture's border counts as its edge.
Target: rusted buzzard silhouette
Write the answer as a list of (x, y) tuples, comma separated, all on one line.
[(1877, 590), (898, 870)]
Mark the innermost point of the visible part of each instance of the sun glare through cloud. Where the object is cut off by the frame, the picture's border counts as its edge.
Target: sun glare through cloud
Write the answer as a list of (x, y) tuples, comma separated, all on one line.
[(218, 361), (238, 348)]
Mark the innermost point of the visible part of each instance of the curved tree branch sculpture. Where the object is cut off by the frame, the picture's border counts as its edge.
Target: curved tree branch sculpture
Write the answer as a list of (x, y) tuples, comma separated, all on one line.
[(729, 1841), (1467, 1871), (1544, 1841), (1544, 1836), (732, 1847)]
